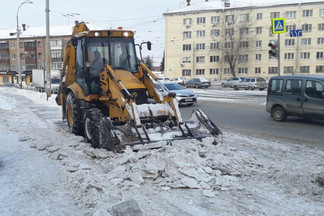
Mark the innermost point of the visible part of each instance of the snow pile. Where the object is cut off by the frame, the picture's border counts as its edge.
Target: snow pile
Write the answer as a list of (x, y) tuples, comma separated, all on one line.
[(6, 103)]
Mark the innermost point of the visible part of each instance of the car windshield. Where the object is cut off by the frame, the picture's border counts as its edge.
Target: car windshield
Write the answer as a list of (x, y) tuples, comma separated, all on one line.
[(55, 81), (173, 86)]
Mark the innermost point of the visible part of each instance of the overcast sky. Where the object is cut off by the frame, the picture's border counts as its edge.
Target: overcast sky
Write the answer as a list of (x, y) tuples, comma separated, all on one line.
[(143, 16)]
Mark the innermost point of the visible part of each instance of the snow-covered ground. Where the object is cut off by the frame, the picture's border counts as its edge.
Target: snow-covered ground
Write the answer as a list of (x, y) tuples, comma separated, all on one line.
[(45, 170)]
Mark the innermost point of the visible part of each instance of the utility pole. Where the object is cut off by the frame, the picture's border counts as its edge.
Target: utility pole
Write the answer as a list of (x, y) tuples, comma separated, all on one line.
[(48, 53)]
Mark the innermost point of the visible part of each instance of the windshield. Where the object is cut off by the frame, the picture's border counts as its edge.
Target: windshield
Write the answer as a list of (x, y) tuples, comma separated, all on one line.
[(55, 81), (121, 54), (173, 86)]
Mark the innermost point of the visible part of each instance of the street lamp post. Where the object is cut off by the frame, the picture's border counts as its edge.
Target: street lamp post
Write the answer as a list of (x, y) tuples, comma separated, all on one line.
[(18, 45)]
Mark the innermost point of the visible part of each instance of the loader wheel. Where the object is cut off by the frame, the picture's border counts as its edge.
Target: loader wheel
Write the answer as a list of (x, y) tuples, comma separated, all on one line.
[(74, 115), (97, 133)]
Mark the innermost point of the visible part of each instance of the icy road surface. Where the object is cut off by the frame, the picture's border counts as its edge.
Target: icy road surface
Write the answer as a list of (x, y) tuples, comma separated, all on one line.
[(45, 170)]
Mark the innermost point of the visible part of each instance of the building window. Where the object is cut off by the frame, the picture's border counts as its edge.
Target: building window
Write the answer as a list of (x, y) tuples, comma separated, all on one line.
[(213, 71), (258, 30), (274, 15), (13, 56), (200, 59), (290, 27), (258, 57), (321, 27), (321, 12), (214, 58), (307, 13), (258, 44), (201, 33), (307, 27), (243, 58), (200, 71), (40, 56), (244, 44), (186, 72), (30, 66), (305, 55), (244, 17), (306, 41), (214, 46), (320, 41), (259, 16), (4, 56), (186, 34), (55, 43), (229, 32), (320, 69), (272, 70), (244, 31), (214, 32), (4, 66), (57, 65), (186, 60), (243, 70), (304, 69), (320, 55), (290, 42), (39, 43), (187, 21), (215, 19), (290, 14), (288, 70), (57, 54), (289, 56), (229, 18), (201, 20), (257, 70), (186, 47), (227, 71), (200, 46), (12, 45), (229, 45)]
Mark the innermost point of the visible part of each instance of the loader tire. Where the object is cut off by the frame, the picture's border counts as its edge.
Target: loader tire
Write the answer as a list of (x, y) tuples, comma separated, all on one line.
[(97, 133), (74, 115)]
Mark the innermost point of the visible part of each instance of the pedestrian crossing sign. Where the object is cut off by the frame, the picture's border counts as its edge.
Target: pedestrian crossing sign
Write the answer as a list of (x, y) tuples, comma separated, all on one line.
[(278, 25)]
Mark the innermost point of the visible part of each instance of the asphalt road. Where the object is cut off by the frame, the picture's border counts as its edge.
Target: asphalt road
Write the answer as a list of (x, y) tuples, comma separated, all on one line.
[(254, 120)]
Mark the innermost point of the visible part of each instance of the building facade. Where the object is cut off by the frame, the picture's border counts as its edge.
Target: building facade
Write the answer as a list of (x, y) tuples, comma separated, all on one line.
[(32, 52), (200, 37)]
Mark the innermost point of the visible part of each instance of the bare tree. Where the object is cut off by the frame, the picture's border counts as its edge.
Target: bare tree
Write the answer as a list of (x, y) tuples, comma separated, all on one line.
[(238, 36)]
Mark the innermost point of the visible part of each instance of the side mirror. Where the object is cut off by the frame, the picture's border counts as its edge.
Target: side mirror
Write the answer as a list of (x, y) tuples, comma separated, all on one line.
[(149, 45), (74, 41)]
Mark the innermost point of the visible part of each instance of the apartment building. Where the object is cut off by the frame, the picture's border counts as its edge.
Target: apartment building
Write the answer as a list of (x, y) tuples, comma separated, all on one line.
[(32, 51), (200, 37)]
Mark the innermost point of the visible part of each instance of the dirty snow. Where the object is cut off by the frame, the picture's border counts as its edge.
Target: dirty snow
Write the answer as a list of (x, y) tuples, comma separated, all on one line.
[(45, 170)]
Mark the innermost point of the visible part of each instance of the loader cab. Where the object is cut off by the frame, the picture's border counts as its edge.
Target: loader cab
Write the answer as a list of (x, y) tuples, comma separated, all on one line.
[(92, 54)]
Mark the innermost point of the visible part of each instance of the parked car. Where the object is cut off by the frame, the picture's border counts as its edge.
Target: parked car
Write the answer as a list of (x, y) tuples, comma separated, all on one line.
[(179, 80), (183, 95), (198, 83), (251, 84), (231, 81), (301, 96), (11, 85), (164, 79)]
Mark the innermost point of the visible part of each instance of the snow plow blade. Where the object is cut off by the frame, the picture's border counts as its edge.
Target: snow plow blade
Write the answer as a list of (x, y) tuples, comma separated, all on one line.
[(156, 134)]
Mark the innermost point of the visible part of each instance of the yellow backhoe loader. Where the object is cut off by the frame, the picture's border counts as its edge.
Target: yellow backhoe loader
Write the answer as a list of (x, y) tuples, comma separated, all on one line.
[(108, 95)]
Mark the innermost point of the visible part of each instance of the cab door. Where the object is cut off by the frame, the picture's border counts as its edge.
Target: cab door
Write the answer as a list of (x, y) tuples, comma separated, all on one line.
[(293, 96), (314, 99)]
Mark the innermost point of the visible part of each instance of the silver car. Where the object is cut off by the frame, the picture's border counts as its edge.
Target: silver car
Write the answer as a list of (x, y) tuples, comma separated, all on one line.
[(183, 96), (251, 84), (231, 81)]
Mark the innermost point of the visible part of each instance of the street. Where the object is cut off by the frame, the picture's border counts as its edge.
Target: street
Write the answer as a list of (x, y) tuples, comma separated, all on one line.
[(250, 116)]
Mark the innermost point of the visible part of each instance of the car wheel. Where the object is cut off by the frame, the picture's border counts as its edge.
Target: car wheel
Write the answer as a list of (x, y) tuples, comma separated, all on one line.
[(250, 88), (197, 86), (223, 85), (279, 114), (235, 87), (261, 89)]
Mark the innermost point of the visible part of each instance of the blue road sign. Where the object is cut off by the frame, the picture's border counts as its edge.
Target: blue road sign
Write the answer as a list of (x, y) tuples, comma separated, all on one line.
[(296, 33), (278, 25)]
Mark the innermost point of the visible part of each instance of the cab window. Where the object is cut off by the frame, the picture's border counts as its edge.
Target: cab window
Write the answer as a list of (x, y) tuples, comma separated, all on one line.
[(275, 86), (293, 86), (315, 89)]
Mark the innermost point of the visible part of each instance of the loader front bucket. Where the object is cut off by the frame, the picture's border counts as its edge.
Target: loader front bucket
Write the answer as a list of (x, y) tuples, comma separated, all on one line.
[(156, 134)]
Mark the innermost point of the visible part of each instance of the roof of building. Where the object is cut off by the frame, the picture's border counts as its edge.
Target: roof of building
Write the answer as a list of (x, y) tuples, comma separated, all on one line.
[(33, 32), (219, 5)]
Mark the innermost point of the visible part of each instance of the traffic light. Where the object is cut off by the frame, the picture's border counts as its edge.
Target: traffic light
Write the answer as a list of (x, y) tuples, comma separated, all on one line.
[(274, 48)]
